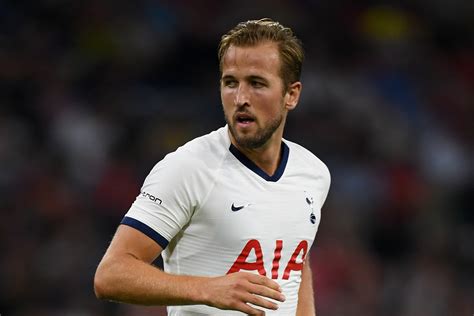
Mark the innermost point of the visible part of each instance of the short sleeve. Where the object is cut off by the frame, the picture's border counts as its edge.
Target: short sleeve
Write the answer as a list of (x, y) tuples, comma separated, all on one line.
[(167, 199)]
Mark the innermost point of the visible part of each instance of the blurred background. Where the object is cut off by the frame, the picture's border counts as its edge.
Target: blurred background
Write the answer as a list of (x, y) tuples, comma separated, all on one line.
[(93, 94)]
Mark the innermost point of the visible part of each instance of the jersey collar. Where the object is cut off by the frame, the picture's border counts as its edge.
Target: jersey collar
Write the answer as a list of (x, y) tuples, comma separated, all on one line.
[(285, 151)]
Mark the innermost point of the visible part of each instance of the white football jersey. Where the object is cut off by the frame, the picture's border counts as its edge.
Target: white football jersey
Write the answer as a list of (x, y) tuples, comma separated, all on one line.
[(214, 212)]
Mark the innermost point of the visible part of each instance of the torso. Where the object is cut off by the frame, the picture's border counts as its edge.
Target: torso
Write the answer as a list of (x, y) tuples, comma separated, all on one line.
[(244, 222)]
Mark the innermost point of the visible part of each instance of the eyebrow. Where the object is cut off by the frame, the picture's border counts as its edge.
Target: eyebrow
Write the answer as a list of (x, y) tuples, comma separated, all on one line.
[(249, 78), (227, 77), (253, 77)]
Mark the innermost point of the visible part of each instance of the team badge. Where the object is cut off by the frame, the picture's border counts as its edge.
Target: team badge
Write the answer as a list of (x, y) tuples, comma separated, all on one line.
[(310, 201)]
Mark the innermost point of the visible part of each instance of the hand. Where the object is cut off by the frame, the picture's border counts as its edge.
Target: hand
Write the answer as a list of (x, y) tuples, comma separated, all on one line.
[(234, 291)]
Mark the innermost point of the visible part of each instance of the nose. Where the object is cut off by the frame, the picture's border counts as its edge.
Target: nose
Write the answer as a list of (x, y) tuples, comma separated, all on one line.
[(242, 96)]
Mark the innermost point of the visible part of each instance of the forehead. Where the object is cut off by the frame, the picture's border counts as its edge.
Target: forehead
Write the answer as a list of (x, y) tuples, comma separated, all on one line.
[(261, 58)]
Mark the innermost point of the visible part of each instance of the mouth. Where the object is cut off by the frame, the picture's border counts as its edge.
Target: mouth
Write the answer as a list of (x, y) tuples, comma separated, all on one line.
[(244, 119)]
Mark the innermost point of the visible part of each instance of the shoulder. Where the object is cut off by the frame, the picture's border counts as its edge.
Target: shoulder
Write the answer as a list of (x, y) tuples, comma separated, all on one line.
[(202, 153), (305, 159)]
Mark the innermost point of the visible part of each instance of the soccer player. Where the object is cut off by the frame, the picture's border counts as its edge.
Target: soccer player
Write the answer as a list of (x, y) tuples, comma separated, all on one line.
[(235, 212)]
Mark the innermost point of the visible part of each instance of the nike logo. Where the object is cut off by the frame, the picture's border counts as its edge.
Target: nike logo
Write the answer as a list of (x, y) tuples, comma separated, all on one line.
[(238, 208)]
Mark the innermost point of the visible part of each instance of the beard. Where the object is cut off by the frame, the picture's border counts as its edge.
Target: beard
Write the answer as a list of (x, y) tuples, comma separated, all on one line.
[(257, 139)]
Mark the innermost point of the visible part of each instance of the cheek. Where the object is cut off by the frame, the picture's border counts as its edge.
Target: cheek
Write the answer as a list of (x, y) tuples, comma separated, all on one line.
[(273, 106), (226, 98), (227, 102)]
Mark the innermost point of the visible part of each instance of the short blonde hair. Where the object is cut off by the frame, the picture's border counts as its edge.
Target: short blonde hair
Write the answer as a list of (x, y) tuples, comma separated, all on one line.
[(254, 32)]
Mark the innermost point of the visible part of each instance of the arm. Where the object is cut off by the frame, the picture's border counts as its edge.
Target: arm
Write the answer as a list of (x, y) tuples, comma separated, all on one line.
[(306, 295), (126, 275)]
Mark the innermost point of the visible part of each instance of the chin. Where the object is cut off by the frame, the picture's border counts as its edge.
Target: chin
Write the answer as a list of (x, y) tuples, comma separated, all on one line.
[(250, 142)]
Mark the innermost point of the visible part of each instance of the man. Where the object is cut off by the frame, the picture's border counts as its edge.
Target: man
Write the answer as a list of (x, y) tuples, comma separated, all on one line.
[(234, 212)]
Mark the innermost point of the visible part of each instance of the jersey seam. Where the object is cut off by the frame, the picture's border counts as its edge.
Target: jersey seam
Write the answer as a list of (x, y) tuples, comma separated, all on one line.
[(204, 200)]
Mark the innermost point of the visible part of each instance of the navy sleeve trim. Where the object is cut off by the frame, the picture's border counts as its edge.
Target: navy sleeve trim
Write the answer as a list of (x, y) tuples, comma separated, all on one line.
[(147, 230)]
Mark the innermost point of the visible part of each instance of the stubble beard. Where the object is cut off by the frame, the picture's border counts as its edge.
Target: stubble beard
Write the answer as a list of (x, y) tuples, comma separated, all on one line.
[(257, 139)]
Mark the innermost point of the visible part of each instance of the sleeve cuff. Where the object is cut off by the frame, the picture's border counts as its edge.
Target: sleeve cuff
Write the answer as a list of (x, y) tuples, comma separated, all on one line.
[(147, 230)]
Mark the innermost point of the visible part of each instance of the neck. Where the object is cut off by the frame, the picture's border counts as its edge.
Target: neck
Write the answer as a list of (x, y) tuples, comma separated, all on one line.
[(266, 157)]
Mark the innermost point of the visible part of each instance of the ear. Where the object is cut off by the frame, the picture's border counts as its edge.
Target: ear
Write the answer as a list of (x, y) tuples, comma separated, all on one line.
[(292, 95)]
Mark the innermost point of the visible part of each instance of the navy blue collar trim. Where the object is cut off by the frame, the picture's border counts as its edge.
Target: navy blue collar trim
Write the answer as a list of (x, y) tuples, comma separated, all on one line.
[(285, 152)]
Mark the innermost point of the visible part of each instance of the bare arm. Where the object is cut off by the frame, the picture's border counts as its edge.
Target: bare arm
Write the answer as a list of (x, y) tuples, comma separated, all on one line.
[(126, 275), (306, 295)]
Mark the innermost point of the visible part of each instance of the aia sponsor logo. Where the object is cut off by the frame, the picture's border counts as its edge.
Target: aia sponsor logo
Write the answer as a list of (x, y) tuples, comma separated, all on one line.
[(294, 264)]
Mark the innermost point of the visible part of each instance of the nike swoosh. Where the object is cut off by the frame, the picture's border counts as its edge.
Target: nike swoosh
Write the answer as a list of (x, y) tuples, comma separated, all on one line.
[(238, 208)]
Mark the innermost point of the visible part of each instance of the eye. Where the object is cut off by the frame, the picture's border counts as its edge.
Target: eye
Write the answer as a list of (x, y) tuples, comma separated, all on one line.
[(257, 84), (230, 83)]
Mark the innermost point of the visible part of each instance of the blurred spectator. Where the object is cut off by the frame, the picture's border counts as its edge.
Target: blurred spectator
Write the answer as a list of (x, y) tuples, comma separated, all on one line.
[(93, 94)]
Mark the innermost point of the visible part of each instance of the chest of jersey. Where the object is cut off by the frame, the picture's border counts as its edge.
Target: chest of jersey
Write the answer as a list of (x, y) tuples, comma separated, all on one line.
[(251, 224), (239, 212)]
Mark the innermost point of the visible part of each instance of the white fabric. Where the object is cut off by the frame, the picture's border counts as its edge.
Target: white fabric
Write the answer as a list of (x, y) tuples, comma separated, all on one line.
[(198, 184)]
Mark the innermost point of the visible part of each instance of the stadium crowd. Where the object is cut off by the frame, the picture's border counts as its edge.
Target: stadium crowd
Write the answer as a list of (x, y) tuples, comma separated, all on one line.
[(93, 94)]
